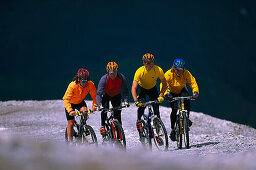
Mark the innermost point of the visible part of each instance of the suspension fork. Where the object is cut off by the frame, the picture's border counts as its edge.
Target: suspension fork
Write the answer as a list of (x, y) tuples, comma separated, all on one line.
[(152, 125)]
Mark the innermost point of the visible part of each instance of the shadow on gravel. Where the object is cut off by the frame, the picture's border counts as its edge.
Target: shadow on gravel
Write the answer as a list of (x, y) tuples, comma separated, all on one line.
[(204, 144)]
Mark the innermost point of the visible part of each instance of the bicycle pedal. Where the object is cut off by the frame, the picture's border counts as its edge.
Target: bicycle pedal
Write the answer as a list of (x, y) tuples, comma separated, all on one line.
[(75, 134)]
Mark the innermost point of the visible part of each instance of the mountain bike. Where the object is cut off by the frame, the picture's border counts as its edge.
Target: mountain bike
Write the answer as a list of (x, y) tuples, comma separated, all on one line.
[(181, 125), (82, 132), (153, 129), (114, 130)]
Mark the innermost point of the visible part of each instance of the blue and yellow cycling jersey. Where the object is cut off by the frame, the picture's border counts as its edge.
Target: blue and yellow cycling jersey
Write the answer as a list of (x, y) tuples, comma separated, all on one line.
[(175, 83)]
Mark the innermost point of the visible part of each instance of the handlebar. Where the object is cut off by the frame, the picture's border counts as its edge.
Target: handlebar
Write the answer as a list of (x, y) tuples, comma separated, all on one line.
[(112, 109), (180, 98), (82, 112), (149, 103)]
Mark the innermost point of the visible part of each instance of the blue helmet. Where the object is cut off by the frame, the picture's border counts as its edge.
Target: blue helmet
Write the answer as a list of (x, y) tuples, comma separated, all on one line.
[(179, 64)]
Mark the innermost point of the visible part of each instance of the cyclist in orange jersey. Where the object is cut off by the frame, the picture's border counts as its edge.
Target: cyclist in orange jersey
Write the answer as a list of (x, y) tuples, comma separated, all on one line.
[(177, 78), (74, 97)]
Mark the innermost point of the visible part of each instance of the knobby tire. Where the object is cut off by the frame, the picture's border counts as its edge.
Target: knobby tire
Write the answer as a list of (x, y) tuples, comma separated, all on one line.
[(159, 124)]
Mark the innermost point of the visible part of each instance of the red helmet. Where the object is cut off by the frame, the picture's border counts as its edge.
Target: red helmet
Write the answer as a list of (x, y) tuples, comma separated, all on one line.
[(83, 74)]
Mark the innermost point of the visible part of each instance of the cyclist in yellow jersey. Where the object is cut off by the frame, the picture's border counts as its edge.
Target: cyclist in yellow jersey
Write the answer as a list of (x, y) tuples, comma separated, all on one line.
[(144, 83), (74, 97), (177, 78)]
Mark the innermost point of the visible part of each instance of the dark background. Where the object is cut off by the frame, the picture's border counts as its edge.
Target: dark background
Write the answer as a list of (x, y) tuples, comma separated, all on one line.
[(43, 43)]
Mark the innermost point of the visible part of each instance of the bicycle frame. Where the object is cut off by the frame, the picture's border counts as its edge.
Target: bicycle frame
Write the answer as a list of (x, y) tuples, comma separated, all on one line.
[(112, 124), (182, 121), (148, 118), (152, 126), (82, 122)]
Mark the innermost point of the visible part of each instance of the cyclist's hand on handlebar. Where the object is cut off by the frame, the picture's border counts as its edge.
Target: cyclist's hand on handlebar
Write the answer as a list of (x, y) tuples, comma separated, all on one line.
[(138, 104), (160, 99), (126, 103), (168, 96), (195, 95), (94, 108), (72, 113)]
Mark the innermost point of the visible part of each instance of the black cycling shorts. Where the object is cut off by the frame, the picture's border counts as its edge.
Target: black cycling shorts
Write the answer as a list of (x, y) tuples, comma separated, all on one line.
[(75, 106)]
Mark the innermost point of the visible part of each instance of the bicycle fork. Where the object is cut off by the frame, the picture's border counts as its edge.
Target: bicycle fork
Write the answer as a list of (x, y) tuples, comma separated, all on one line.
[(118, 136)]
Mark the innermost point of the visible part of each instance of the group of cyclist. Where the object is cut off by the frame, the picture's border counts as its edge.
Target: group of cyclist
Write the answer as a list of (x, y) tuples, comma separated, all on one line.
[(113, 87)]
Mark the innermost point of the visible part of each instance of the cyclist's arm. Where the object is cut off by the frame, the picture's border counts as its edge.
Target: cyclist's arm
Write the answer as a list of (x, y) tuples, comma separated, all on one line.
[(164, 87), (93, 93), (133, 90), (163, 81), (124, 87), (67, 97), (100, 89), (192, 82)]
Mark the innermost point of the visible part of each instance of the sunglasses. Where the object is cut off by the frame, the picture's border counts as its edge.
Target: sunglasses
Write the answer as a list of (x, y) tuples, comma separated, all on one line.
[(83, 81), (112, 71), (178, 68), (147, 62)]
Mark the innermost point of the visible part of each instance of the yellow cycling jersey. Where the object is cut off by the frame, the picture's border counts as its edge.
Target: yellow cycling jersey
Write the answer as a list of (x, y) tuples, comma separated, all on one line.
[(148, 79), (175, 84)]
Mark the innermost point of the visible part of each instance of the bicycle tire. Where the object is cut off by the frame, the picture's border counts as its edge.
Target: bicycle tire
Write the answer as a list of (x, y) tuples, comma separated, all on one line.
[(107, 138), (144, 136), (119, 136), (177, 133), (74, 134), (160, 132), (88, 135), (186, 131)]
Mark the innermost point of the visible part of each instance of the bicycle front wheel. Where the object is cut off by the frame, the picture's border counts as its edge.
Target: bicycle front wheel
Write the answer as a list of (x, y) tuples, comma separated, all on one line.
[(144, 136), (178, 132), (160, 136), (74, 133), (118, 135), (88, 135), (186, 131)]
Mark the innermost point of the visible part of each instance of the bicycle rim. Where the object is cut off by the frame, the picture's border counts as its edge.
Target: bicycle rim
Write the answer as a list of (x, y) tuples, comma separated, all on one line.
[(107, 138), (160, 135), (119, 136), (186, 132), (88, 136), (144, 137), (178, 135), (74, 133)]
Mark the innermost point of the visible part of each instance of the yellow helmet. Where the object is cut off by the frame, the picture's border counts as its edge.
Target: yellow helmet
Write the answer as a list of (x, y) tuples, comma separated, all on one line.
[(112, 67), (148, 57)]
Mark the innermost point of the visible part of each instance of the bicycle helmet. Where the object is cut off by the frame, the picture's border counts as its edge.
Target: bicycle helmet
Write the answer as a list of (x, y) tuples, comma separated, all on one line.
[(112, 67), (148, 57), (83, 74), (179, 64)]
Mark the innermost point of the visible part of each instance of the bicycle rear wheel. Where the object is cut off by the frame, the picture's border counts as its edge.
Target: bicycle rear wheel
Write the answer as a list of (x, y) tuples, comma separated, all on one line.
[(178, 131), (186, 131), (88, 135), (160, 136), (118, 135)]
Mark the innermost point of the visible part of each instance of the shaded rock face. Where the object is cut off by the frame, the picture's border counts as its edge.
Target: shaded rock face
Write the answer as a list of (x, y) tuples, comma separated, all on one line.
[(32, 137)]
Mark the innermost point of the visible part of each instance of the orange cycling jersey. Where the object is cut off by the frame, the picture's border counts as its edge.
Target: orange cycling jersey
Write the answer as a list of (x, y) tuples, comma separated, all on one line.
[(175, 84), (75, 94)]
